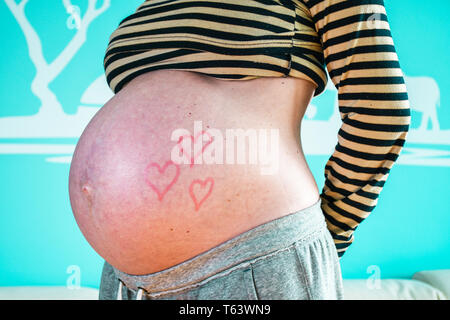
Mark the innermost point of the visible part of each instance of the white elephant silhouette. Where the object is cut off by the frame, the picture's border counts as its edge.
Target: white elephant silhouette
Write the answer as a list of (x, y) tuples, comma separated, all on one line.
[(424, 96), (423, 93)]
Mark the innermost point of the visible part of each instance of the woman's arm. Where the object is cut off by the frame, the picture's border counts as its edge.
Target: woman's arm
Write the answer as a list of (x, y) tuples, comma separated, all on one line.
[(373, 102)]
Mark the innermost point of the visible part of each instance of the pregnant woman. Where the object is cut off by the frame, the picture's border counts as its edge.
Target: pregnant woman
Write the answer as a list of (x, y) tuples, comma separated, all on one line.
[(156, 184)]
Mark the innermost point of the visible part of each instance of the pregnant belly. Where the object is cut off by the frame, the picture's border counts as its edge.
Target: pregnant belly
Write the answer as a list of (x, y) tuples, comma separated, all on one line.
[(163, 173)]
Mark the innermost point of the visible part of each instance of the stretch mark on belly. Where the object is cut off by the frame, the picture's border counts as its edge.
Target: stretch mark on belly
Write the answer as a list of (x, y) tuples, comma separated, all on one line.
[(161, 179), (194, 141), (200, 195)]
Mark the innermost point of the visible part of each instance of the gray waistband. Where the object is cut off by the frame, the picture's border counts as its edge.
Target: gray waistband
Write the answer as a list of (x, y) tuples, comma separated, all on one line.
[(260, 241)]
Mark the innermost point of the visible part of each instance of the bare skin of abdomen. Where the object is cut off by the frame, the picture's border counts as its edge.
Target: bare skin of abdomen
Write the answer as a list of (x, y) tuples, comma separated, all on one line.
[(142, 211)]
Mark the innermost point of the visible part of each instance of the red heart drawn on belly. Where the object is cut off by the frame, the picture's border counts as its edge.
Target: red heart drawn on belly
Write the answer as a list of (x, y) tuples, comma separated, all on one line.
[(200, 191), (161, 179), (194, 141)]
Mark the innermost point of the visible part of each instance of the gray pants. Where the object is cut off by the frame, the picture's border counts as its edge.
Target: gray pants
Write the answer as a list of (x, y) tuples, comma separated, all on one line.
[(292, 257)]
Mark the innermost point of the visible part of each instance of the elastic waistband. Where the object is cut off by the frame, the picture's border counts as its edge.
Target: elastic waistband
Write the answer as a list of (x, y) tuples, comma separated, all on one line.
[(260, 241)]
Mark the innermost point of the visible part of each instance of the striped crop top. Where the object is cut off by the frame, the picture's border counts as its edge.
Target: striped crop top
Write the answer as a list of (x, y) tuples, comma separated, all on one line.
[(247, 39)]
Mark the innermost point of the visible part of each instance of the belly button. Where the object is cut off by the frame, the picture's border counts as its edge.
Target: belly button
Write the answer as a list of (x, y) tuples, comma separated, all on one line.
[(87, 191)]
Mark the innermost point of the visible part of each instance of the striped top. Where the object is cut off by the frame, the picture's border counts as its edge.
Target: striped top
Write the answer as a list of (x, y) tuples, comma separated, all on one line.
[(247, 39)]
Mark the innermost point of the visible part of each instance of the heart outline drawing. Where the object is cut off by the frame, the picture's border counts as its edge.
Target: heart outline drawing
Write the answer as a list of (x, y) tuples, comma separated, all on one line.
[(158, 192), (192, 158), (202, 184)]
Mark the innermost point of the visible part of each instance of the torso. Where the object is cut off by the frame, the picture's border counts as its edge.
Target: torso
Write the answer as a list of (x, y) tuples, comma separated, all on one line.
[(117, 193)]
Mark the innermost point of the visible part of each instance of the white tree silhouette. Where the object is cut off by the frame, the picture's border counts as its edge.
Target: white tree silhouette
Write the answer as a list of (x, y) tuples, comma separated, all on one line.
[(47, 72), (51, 121)]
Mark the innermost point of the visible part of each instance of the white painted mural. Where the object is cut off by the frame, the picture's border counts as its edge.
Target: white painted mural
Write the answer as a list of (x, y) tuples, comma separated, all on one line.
[(51, 121)]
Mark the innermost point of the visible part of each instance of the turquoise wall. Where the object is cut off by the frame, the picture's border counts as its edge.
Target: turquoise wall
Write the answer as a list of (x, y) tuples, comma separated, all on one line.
[(40, 243)]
